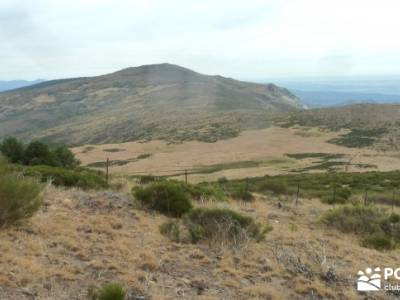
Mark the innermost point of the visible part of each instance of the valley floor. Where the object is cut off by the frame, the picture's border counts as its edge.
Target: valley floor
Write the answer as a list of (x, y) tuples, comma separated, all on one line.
[(253, 153), (81, 238)]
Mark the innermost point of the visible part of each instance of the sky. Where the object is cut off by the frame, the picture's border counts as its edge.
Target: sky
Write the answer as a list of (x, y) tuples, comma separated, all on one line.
[(249, 39)]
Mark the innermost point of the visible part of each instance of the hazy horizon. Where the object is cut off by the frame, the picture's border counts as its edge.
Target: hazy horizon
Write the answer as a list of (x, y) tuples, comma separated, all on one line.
[(258, 39)]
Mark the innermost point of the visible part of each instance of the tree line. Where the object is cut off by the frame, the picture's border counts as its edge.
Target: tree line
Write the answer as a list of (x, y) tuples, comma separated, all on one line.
[(37, 153)]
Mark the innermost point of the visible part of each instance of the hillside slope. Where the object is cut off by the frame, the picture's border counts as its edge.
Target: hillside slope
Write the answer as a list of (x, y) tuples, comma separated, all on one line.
[(375, 125), (154, 101)]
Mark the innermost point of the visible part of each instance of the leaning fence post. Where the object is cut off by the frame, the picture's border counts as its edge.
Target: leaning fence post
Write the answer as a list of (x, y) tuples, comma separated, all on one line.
[(297, 194)]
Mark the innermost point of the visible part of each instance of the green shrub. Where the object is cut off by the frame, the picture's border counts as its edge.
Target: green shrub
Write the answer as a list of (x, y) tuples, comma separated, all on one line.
[(242, 193), (378, 241), (110, 291), (37, 153), (80, 177), (221, 224), (145, 179), (378, 229), (354, 218), (275, 186), (19, 198), (166, 197), (12, 149)]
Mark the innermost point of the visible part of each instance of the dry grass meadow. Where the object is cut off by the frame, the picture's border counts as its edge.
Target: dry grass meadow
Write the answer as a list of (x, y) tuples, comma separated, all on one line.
[(83, 238), (267, 148)]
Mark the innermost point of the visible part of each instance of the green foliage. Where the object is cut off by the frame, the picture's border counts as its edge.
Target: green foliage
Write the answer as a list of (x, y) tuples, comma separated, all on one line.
[(378, 229), (357, 219), (20, 198), (37, 153), (79, 177), (380, 186), (378, 241), (110, 291), (241, 193), (220, 224), (65, 158), (12, 149), (166, 197)]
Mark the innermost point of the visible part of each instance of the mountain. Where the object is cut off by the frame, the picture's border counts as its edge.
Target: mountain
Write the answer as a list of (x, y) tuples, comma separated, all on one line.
[(15, 84), (153, 101)]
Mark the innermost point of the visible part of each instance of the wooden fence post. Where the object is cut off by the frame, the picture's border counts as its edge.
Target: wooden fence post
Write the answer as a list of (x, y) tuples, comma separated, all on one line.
[(366, 197), (297, 194), (186, 176), (247, 184), (107, 164), (393, 199), (334, 194)]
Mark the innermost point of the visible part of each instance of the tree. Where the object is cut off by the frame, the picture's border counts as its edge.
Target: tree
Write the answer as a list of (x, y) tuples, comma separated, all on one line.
[(12, 149), (65, 158), (38, 153)]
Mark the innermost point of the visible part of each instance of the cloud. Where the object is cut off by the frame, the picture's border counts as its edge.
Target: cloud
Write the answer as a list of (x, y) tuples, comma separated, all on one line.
[(251, 39)]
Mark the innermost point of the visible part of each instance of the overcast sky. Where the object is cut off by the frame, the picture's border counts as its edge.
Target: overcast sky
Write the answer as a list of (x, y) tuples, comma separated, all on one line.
[(243, 39)]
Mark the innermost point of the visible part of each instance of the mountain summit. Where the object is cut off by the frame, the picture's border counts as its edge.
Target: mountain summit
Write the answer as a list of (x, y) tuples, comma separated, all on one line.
[(152, 101)]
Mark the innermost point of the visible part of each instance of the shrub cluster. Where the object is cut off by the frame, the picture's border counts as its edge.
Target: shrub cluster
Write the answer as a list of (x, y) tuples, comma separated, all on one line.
[(37, 153), (20, 197), (78, 177), (166, 197), (378, 229), (221, 224)]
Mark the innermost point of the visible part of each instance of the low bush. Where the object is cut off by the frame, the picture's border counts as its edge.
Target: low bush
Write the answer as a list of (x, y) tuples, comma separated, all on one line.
[(20, 198), (243, 194), (274, 186), (110, 291), (340, 196), (378, 229), (79, 177), (378, 241), (166, 197), (221, 225), (354, 219)]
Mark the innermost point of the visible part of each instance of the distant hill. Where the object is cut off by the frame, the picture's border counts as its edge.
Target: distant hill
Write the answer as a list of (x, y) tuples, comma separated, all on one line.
[(15, 84), (332, 98), (153, 101), (368, 125)]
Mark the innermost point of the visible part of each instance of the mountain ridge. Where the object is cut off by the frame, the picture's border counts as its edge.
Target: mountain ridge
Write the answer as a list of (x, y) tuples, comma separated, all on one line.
[(162, 101)]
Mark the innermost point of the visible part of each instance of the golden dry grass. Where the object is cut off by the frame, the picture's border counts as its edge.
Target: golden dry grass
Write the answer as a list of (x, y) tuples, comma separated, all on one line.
[(79, 239), (268, 146)]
